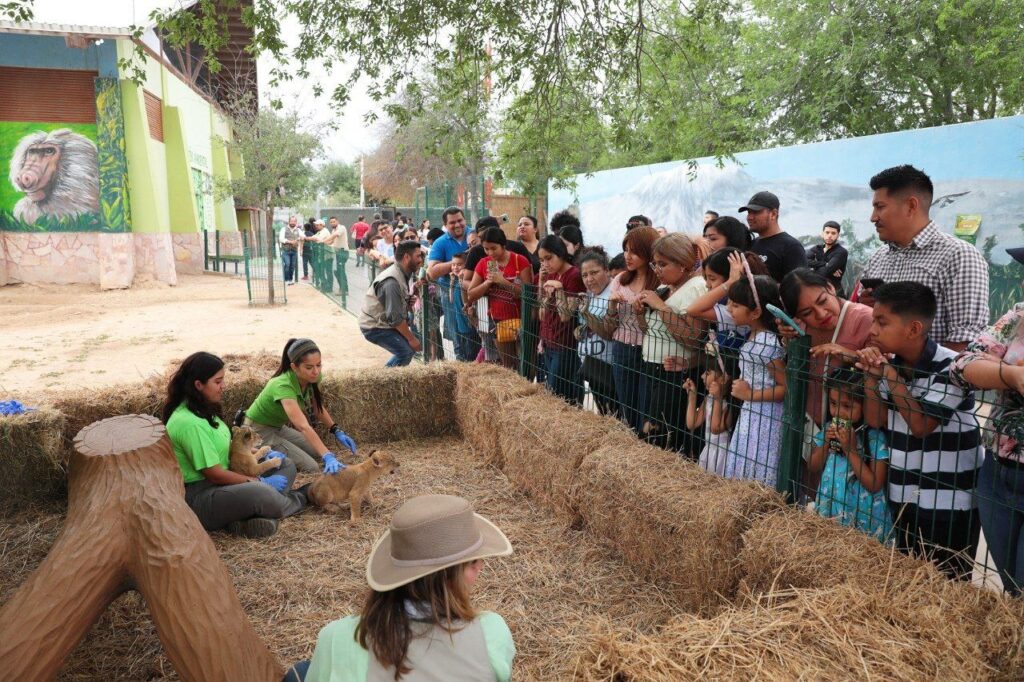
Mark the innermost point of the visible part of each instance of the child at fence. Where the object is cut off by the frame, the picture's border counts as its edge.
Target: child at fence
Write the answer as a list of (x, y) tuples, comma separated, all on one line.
[(719, 274), (456, 295), (715, 414), (851, 459), (754, 446), (934, 441)]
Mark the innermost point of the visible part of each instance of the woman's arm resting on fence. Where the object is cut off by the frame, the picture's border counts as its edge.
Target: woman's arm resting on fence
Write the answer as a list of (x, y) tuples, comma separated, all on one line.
[(989, 372)]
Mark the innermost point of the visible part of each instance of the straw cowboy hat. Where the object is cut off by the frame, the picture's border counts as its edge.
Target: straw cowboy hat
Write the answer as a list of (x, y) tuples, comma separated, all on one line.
[(428, 534)]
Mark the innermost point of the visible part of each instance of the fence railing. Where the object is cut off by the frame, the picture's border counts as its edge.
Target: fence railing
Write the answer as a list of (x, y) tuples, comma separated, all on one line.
[(898, 457), (266, 268)]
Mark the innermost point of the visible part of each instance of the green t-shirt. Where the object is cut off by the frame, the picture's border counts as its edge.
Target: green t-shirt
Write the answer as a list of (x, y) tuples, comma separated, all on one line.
[(197, 445), (339, 658), (267, 409)]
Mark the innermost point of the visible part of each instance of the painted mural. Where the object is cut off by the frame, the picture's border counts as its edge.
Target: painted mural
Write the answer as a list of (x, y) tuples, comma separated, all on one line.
[(977, 169), (115, 208), (54, 178)]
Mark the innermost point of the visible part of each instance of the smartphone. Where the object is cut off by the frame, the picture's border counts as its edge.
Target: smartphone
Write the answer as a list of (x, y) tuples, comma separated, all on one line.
[(783, 317), (872, 282)]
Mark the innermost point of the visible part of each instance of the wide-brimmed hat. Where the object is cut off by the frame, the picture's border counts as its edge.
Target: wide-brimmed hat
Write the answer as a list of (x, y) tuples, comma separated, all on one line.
[(428, 534), (1017, 254)]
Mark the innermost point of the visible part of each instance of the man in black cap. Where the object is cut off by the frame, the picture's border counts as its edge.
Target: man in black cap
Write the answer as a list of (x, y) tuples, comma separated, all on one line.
[(829, 259), (780, 252)]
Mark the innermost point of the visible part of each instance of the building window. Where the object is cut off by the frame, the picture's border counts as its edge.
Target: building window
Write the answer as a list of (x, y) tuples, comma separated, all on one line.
[(47, 95), (154, 115)]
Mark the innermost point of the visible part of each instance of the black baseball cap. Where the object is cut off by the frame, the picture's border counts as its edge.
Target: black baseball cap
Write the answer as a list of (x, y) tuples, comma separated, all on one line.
[(831, 223), (1017, 254), (761, 201)]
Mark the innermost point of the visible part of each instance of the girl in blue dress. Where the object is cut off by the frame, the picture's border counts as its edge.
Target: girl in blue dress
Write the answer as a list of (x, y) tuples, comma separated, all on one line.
[(754, 446), (852, 459)]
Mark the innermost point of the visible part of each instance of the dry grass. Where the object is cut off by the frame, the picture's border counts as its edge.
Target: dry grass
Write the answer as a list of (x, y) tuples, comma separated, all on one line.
[(32, 455), (796, 548), (670, 520), (838, 633), (482, 392), (543, 441), (312, 571)]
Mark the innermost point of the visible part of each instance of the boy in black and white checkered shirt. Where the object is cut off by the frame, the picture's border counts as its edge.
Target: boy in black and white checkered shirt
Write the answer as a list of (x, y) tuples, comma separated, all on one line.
[(933, 436)]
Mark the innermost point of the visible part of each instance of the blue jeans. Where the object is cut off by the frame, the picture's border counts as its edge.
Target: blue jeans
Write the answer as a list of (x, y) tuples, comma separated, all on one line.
[(393, 342), (297, 673), (288, 262), (563, 373), (1000, 494), (627, 361), (467, 345)]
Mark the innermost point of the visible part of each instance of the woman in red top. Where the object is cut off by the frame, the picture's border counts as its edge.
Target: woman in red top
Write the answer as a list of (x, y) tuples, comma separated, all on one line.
[(500, 276), (561, 286)]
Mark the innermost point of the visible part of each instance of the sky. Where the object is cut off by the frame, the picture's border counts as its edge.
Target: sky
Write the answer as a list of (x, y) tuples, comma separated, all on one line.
[(352, 136)]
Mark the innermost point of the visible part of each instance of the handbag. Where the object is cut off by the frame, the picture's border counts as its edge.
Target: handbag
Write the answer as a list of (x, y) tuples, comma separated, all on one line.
[(508, 330)]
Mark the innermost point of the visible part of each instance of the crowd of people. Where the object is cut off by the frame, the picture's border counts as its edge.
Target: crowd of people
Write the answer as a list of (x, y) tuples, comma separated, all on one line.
[(685, 336), (689, 338)]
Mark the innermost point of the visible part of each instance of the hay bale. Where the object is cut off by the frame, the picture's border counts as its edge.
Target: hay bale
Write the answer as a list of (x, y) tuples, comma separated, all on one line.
[(543, 440), (34, 458), (838, 633), (481, 394), (669, 519), (384, 405), (797, 548)]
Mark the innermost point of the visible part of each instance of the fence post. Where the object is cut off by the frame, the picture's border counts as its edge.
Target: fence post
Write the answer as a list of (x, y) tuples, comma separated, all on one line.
[(425, 335), (245, 258), (791, 455), (527, 339)]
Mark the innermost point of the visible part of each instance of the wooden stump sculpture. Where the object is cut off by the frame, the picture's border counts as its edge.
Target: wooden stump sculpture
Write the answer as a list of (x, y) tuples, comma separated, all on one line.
[(128, 527)]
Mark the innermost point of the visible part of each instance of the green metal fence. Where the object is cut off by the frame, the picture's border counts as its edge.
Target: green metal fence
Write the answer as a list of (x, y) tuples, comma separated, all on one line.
[(469, 194), (264, 269), (759, 409)]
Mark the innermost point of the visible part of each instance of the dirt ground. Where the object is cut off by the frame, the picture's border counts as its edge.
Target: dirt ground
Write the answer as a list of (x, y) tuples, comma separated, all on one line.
[(61, 336)]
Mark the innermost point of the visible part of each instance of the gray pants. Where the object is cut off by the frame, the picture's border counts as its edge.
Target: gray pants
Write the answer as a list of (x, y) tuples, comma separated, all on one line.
[(292, 443), (218, 505)]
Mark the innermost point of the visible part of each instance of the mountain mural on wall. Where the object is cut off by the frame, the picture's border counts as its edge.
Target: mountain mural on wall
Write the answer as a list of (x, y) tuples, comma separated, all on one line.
[(678, 197)]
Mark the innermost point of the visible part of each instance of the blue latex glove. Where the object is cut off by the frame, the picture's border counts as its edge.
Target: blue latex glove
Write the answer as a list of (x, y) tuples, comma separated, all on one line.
[(278, 482), (345, 440), (331, 463), (274, 453)]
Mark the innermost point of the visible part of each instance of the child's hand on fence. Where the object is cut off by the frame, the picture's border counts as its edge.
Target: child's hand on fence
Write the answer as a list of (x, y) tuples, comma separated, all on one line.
[(871, 360), (674, 363), (715, 389), (551, 286), (689, 386), (742, 390)]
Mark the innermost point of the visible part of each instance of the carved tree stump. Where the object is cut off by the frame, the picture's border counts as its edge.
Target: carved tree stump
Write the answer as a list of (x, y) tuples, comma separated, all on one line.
[(128, 527)]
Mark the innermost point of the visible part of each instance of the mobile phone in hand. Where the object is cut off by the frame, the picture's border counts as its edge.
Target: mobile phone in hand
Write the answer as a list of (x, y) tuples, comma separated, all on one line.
[(872, 282), (783, 317)]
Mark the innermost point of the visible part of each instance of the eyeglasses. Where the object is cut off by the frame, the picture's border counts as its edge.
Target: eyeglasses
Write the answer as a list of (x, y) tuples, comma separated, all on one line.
[(630, 226), (659, 266)]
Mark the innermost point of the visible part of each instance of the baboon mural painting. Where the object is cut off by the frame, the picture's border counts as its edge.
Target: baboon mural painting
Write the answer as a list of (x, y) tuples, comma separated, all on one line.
[(52, 178), (58, 173)]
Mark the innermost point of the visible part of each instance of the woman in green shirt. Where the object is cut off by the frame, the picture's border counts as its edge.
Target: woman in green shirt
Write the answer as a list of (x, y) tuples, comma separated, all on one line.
[(245, 505), (418, 623), (292, 396)]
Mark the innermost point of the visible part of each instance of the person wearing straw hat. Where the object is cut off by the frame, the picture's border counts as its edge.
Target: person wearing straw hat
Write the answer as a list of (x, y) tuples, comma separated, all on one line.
[(418, 623)]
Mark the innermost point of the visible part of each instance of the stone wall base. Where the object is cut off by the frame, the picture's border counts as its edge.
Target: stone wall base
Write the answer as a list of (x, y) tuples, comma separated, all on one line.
[(109, 260)]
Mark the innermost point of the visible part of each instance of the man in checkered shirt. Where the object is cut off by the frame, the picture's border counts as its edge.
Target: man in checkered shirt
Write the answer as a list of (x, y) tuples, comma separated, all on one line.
[(915, 250)]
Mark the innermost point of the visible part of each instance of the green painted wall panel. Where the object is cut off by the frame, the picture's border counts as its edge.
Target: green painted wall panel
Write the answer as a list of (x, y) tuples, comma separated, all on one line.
[(185, 214)]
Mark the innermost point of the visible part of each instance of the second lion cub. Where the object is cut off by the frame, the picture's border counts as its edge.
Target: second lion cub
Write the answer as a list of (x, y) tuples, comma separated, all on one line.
[(352, 484), (246, 452)]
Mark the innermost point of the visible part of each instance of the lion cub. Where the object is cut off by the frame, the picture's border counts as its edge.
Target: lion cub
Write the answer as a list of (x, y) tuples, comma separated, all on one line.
[(246, 453), (352, 484)]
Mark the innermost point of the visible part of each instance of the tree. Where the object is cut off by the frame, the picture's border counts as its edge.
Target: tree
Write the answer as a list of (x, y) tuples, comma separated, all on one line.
[(275, 151), (338, 183)]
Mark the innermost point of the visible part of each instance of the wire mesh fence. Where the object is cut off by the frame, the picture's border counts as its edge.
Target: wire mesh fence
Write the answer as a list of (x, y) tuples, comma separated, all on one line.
[(892, 446), (268, 269)]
